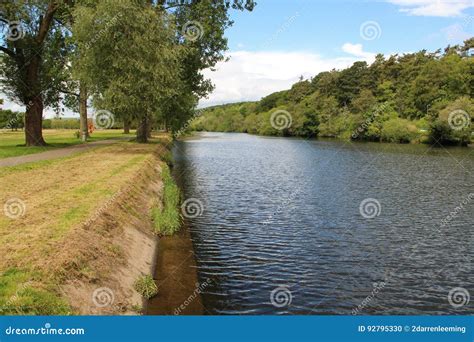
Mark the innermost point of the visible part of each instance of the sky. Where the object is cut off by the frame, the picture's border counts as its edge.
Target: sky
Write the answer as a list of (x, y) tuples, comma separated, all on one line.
[(281, 40)]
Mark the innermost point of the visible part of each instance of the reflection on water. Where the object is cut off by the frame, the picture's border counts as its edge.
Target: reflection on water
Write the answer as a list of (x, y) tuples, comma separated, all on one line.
[(281, 218)]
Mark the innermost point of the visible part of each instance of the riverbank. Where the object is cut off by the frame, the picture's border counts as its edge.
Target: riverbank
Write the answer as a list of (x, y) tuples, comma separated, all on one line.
[(77, 232)]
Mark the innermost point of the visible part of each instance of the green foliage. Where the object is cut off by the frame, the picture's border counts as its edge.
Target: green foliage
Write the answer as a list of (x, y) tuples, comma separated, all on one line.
[(166, 217), (20, 296), (64, 123), (453, 126), (145, 285), (398, 131), (11, 120), (395, 99)]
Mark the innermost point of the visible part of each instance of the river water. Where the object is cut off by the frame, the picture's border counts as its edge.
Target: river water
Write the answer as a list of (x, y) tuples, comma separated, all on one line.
[(293, 226)]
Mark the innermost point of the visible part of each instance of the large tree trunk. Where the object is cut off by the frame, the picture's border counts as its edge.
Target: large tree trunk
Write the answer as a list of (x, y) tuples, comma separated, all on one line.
[(34, 122), (149, 129), (34, 108), (83, 112), (126, 126), (142, 130)]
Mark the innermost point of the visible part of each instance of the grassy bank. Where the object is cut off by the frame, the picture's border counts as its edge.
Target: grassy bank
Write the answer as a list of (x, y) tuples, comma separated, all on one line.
[(166, 216), (74, 224), (13, 143)]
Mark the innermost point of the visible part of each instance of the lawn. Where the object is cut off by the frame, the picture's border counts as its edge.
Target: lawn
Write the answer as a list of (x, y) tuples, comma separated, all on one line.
[(13, 143), (45, 202)]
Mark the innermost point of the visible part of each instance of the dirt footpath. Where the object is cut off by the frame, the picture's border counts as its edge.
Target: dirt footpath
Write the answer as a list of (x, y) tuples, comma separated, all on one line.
[(54, 154)]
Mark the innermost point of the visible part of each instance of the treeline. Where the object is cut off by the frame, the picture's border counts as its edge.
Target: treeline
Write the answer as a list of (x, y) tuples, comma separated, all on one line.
[(136, 61), (409, 98)]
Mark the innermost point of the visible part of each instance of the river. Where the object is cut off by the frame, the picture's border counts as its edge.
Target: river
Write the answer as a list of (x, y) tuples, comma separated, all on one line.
[(293, 226)]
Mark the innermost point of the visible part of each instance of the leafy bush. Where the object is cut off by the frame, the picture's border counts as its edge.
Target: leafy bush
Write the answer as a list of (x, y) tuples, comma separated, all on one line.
[(398, 131), (454, 123)]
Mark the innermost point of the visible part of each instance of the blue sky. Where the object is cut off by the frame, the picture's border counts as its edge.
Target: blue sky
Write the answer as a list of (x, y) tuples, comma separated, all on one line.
[(280, 40), (324, 26), (283, 39)]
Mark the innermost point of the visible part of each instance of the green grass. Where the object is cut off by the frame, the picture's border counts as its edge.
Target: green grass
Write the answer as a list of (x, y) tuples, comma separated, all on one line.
[(145, 285), (20, 296), (12, 144), (167, 219)]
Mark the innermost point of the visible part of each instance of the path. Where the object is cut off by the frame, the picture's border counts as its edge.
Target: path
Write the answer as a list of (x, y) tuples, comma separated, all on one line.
[(54, 154)]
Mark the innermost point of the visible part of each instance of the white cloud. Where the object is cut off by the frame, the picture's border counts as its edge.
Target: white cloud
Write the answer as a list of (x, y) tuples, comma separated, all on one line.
[(455, 34), (434, 8), (357, 50), (249, 76)]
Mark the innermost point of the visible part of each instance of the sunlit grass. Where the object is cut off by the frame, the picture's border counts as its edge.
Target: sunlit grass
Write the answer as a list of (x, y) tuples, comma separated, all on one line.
[(58, 196), (13, 143)]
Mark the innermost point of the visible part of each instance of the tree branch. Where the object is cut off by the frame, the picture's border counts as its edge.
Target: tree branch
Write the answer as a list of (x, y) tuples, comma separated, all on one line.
[(68, 92), (9, 52)]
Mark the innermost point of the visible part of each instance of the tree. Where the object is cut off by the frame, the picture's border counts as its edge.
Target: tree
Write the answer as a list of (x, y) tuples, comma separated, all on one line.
[(33, 54), (133, 66)]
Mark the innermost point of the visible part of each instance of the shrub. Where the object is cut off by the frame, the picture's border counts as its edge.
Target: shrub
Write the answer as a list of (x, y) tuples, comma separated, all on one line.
[(398, 131), (457, 114), (145, 285)]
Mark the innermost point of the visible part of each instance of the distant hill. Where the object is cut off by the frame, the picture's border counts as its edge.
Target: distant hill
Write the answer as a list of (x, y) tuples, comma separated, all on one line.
[(409, 98)]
